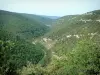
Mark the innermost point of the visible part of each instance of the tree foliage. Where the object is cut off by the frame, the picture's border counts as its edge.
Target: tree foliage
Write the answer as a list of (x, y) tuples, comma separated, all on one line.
[(84, 59), (14, 55)]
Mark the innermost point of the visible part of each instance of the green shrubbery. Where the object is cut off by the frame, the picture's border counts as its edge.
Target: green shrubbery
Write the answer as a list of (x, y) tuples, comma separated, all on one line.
[(84, 59), (15, 55)]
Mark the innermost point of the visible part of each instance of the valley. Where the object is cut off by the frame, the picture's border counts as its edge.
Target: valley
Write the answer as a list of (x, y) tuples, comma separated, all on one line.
[(49, 45)]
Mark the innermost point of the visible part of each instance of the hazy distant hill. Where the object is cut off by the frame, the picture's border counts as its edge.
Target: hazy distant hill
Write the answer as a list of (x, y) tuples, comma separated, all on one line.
[(46, 20), (53, 17)]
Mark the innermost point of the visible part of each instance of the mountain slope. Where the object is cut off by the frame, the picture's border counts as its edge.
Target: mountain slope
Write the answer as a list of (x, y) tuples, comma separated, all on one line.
[(73, 47), (76, 23), (15, 51), (73, 44), (20, 25), (46, 20), (68, 30)]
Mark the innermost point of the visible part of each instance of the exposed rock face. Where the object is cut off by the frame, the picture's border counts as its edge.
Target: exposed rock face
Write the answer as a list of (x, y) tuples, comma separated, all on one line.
[(48, 43), (98, 20)]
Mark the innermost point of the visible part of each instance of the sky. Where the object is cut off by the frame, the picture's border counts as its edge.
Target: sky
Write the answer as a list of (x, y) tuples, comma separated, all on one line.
[(50, 7)]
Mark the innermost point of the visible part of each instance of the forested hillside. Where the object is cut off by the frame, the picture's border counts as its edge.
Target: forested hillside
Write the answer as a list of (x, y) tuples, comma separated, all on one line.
[(46, 20), (16, 50), (67, 30), (70, 47), (74, 45), (23, 26), (77, 24)]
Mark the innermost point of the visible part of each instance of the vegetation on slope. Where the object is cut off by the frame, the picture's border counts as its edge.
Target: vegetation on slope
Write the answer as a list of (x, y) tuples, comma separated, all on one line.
[(70, 29), (22, 26), (72, 49), (15, 55), (15, 51), (84, 59), (71, 55), (41, 19)]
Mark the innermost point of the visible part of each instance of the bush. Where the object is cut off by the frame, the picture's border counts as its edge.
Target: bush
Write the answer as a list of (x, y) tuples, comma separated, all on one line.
[(84, 59), (15, 55)]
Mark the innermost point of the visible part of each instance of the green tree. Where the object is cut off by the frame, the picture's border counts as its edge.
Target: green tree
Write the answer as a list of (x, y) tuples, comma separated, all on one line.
[(5, 47), (84, 59), (15, 55)]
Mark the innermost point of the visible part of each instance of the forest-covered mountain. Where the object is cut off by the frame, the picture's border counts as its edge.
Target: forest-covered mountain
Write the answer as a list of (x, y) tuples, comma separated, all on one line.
[(16, 50), (46, 20), (77, 24), (70, 47), (68, 29), (24, 25), (74, 45)]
